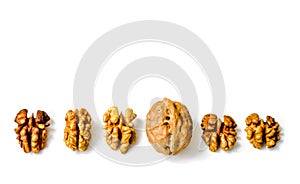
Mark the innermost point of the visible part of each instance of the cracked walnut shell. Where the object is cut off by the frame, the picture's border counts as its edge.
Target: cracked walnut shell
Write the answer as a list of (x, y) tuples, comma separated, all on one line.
[(32, 133), (259, 131), (217, 133), (119, 129), (77, 131), (169, 126)]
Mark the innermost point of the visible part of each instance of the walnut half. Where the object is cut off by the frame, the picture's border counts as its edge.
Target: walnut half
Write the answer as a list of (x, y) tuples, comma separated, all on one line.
[(32, 133), (272, 132), (119, 129), (217, 133), (77, 130), (255, 130)]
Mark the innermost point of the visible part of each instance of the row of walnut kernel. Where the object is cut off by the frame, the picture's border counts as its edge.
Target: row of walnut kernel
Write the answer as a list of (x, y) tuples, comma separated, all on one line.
[(217, 133), (31, 132)]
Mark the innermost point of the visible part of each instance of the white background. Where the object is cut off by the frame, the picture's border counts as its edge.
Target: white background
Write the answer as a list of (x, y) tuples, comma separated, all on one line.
[(256, 44)]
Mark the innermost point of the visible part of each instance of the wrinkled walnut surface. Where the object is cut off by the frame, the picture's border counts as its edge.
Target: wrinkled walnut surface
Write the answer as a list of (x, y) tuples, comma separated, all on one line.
[(217, 133), (259, 131), (211, 129), (32, 133), (228, 133), (119, 129), (272, 132), (255, 130), (77, 130), (169, 127)]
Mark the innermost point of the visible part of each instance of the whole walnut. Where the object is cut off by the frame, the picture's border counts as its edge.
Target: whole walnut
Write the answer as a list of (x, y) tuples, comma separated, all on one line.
[(32, 133), (169, 126), (77, 130), (217, 133), (119, 129)]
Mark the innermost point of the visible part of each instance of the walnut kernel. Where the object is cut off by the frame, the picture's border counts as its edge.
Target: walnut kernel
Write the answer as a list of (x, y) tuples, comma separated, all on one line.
[(77, 131), (259, 131), (119, 129), (32, 133), (217, 133)]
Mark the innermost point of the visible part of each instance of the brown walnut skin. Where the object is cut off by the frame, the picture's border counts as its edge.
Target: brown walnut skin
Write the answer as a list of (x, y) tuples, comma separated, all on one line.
[(169, 127), (71, 131), (217, 133), (272, 132), (255, 130), (259, 132), (228, 134), (31, 132), (211, 126)]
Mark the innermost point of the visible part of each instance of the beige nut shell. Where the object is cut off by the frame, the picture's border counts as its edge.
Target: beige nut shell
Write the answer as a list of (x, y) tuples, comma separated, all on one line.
[(169, 126)]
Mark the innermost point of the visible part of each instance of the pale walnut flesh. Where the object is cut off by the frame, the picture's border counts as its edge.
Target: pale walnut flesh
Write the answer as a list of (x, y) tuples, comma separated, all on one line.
[(119, 129), (31, 132), (77, 130), (169, 127)]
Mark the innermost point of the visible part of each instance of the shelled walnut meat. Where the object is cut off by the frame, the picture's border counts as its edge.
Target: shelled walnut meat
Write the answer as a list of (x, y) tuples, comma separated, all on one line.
[(32, 133), (272, 132), (211, 130), (259, 131), (217, 133), (77, 130), (169, 126), (119, 129), (255, 130)]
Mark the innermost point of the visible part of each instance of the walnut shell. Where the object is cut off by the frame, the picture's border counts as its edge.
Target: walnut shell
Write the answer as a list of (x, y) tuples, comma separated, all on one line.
[(169, 126)]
